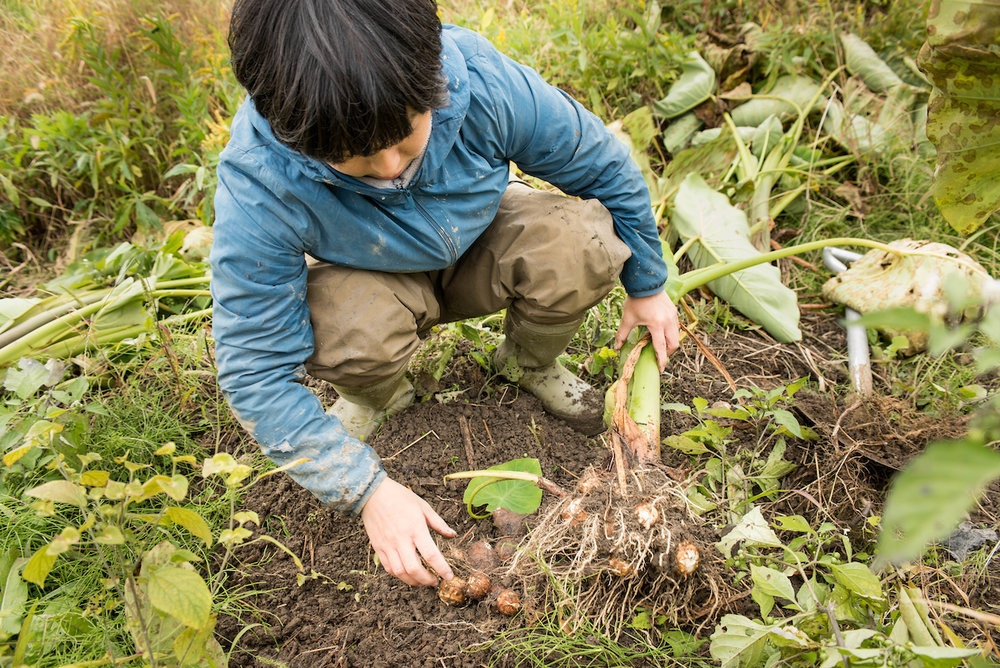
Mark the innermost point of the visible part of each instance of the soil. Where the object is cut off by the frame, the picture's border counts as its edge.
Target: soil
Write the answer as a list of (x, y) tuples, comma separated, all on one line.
[(348, 612)]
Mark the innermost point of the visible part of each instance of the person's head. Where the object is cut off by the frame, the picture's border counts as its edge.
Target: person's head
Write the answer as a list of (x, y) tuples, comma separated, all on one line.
[(338, 78)]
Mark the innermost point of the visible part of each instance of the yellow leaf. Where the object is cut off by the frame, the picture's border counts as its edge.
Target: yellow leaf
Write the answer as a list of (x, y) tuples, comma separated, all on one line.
[(13, 456), (191, 521), (166, 449), (94, 478), (38, 567)]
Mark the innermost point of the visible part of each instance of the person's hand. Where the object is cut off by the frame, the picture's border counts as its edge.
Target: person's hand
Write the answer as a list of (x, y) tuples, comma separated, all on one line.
[(659, 315), (396, 520)]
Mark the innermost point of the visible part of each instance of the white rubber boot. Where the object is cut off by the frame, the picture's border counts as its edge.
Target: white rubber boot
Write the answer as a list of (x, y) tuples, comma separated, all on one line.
[(363, 409), (527, 357)]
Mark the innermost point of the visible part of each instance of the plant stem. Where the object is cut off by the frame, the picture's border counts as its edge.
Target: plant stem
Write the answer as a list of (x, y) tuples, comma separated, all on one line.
[(540, 481)]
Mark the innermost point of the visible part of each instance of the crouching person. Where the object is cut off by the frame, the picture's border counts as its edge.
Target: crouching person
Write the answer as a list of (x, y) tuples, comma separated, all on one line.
[(364, 197)]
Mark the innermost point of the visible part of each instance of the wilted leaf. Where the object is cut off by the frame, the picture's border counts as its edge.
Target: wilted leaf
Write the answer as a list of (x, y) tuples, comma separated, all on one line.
[(863, 61), (962, 60), (695, 85), (794, 93), (722, 234), (13, 594), (929, 498), (38, 567)]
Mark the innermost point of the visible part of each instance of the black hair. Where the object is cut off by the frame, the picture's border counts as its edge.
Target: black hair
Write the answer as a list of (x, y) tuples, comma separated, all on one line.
[(338, 78)]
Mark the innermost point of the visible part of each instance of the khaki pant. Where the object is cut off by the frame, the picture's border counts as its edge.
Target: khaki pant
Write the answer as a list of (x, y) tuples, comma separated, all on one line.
[(545, 258)]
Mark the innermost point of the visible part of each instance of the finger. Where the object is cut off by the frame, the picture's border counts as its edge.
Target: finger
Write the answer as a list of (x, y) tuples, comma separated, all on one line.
[(435, 522), (414, 569), (623, 331), (660, 348), (432, 555), (394, 566)]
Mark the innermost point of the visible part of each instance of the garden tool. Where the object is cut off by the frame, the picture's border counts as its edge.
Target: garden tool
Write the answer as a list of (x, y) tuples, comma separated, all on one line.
[(527, 356), (859, 363)]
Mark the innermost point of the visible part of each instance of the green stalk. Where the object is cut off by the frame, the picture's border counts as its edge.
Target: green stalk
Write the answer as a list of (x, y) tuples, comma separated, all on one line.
[(82, 342), (696, 278), (50, 314), (643, 404)]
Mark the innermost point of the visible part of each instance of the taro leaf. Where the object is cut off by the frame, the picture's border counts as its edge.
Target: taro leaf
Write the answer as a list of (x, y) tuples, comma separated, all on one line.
[(962, 59), (680, 131), (695, 85), (519, 496), (863, 61), (795, 93), (739, 641), (723, 235), (12, 308), (929, 498)]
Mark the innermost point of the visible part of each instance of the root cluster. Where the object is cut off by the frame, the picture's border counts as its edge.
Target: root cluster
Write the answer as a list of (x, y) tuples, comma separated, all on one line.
[(603, 552)]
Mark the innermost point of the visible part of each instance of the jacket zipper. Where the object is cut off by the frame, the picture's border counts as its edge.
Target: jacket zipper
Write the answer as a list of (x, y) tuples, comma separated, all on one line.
[(452, 249)]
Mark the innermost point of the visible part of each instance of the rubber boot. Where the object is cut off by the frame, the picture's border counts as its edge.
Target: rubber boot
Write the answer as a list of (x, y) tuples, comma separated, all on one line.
[(363, 409), (527, 356)]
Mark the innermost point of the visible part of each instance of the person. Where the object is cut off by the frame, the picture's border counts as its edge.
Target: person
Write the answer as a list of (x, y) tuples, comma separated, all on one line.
[(365, 196)]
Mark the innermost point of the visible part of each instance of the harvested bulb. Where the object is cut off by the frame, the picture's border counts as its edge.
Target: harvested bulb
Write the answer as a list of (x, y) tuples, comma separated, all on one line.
[(508, 603), (687, 558), (452, 592), (478, 586)]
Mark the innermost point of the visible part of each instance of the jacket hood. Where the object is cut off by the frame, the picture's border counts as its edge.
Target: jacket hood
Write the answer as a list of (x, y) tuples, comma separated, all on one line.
[(446, 123)]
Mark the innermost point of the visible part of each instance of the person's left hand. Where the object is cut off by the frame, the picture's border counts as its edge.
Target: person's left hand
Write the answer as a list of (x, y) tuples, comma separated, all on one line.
[(659, 315)]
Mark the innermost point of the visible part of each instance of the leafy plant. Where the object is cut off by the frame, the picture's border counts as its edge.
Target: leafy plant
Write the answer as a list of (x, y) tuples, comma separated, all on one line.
[(961, 59)]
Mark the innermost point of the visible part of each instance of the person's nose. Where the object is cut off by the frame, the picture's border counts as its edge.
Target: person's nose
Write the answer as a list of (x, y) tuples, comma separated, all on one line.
[(388, 164)]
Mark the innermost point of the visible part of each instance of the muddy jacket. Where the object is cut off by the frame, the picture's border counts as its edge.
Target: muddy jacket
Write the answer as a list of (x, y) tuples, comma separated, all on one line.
[(274, 205)]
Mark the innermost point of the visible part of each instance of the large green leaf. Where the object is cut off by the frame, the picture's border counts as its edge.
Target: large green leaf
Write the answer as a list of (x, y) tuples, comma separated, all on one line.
[(519, 496), (180, 593), (13, 592), (789, 95), (722, 235), (863, 61), (962, 59), (931, 495), (695, 85)]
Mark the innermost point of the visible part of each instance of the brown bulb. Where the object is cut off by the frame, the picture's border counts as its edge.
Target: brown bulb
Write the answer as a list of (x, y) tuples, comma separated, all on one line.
[(687, 558), (508, 602), (452, 592), (619, 567), (478, 586)]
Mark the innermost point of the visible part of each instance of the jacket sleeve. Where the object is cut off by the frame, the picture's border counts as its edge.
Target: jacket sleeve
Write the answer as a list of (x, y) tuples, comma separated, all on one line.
[(263, 337), (551, 136)]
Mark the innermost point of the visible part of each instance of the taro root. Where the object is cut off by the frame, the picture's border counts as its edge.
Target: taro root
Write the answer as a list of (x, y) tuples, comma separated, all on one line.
[(452, 592), (647, 514), (508, 602), (506, 550), (477, 586), (508, 523), (589, 483), (481, 556), (687, 558), (574, 514), (620, 567)]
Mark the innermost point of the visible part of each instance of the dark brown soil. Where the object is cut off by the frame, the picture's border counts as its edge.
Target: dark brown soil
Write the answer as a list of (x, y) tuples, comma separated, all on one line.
[(348, 612)]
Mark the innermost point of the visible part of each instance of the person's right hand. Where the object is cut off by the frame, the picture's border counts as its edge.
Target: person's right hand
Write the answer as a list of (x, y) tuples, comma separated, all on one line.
[(396, 520)]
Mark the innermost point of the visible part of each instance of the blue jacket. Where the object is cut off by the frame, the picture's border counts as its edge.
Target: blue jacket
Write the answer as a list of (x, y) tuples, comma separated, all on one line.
[(273, 205)]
